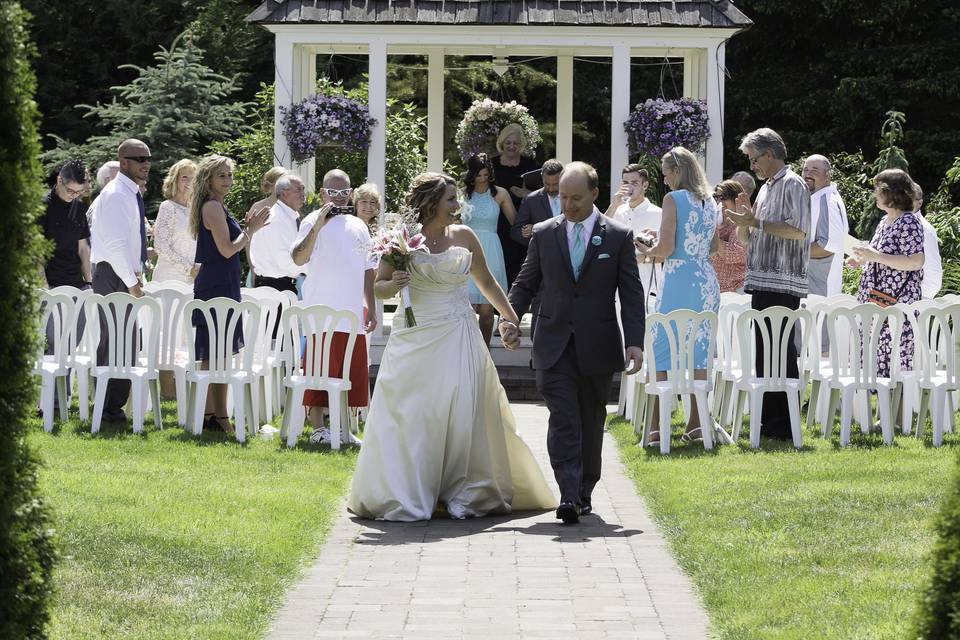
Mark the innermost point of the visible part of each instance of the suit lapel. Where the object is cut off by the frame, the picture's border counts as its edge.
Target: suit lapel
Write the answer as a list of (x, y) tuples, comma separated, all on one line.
[(599, 230), (560, 235)]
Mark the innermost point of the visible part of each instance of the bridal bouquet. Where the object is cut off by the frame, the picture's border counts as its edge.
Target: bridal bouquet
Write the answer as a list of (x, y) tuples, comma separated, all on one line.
[(396, 247)]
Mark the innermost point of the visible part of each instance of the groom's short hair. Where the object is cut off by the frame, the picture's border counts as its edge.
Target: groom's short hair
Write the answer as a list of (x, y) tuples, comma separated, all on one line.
[(593, 180)]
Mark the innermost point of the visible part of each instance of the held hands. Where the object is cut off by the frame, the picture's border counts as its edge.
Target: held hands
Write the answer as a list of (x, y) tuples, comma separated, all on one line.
[(509, 335), (526, 230), (257, 220), (634, 355), (743, 216), (370, 324), (520, 192)]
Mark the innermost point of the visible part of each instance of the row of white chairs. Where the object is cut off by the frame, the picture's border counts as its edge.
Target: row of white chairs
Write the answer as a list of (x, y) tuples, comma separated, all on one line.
[(155, 333), (841, 373)]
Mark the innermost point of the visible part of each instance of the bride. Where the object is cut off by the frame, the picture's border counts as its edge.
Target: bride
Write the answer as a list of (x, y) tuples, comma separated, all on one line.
[(440, 430)]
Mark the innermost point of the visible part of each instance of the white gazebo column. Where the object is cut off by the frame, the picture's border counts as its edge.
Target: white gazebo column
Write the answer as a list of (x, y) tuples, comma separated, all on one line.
[(619, 112), (435, 87), (564, 126), (282, 96), (305, 83), (715, 87), (377, 100)]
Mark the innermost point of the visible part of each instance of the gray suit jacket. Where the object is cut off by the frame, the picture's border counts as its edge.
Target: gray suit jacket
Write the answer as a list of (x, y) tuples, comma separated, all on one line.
[(534, 208), (584, 308)]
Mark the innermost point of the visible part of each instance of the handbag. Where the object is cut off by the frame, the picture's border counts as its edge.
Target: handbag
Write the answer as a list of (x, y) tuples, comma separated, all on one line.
[(880, 298)]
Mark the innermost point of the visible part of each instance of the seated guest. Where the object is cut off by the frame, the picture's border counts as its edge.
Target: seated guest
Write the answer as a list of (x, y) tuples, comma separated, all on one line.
[(509, 166), (828, 228), (746, 181), (686, 238), (267, 184), (176, 247), (366, 204), (219, 242), (487, 203), (932, 264), (730, 260), (340, 274), (631, 207), (893, 262), (270, 249)]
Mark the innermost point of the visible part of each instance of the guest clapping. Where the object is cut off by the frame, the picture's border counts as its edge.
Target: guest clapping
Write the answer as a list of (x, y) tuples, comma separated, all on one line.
[(687, 236), (893, 261), (730, 260), (487, 203), (176, 247)]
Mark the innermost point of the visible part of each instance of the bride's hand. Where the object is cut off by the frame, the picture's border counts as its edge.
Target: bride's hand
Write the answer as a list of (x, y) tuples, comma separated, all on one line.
[(400, 279)]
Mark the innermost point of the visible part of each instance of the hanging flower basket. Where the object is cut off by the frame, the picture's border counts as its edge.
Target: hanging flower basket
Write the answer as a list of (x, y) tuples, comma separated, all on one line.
[(484, 120), (320, 121), (658, 125)]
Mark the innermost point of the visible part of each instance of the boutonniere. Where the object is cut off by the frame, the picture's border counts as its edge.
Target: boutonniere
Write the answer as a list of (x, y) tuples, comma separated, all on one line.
[(595, 241)]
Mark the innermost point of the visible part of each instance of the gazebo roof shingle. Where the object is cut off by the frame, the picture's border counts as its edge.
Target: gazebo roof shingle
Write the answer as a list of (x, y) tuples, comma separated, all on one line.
[(631, 13)]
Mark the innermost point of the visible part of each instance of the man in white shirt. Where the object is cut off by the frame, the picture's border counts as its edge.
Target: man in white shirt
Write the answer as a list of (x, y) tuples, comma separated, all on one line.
[(631, 207), (119, 249), (932, 278), (829, 228), (340, 274), (270, 249)]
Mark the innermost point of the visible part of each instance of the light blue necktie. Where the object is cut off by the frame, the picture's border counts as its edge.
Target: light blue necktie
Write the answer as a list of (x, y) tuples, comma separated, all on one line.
[(554, 205), (577, 250)]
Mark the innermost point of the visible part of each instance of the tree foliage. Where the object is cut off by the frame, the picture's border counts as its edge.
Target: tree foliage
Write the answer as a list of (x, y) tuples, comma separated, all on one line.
[(27, 553)]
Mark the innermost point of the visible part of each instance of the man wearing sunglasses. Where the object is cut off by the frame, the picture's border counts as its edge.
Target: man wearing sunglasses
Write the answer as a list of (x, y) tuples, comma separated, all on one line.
[(119, 242)]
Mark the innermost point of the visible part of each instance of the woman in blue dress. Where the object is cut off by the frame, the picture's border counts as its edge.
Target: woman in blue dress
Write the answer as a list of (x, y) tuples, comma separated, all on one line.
[(219, 243), (685, 240), (486, 202)]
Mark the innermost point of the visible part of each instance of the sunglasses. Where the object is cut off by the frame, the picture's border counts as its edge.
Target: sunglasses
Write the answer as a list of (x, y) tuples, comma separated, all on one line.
[(138, 159), (338, 193)]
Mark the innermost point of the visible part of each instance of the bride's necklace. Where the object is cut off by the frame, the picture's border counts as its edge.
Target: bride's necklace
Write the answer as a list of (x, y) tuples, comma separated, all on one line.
[(433, 242)]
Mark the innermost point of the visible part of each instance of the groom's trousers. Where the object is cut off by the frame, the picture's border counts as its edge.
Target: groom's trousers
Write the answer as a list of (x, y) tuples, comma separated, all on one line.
[(577, 405)]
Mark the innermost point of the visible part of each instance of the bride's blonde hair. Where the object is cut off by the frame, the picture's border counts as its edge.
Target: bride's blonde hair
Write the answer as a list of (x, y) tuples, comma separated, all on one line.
[(425, 193)]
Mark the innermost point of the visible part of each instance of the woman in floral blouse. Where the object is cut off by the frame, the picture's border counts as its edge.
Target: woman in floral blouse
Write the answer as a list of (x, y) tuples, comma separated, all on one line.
[(176, 248), (730, 262), (893, 262)]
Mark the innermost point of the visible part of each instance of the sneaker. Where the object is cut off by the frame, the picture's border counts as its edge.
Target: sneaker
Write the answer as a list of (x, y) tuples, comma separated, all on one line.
[(320, 435)]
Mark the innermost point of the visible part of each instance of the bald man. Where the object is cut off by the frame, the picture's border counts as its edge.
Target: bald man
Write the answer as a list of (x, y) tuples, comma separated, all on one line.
[(828, 225)]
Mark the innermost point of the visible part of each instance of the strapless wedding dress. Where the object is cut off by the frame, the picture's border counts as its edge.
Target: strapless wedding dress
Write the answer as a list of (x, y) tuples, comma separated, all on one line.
[(439, 428)]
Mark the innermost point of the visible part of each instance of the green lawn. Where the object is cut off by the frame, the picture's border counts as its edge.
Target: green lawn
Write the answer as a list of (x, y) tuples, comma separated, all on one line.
[(171, 536), (820, 543)]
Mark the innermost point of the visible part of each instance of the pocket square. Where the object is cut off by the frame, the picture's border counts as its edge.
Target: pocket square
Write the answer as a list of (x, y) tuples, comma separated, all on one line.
[(603, 256)]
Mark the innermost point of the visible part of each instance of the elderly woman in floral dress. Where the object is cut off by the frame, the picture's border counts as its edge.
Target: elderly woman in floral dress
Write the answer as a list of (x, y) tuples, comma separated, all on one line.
[(893, 262)]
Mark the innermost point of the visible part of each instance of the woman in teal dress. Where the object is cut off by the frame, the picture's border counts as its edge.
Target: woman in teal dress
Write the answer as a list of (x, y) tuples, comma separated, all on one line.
[(486, 202), (685, 240)]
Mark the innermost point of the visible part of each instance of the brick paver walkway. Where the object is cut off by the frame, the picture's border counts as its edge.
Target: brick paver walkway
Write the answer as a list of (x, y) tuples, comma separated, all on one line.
[(519, 576)]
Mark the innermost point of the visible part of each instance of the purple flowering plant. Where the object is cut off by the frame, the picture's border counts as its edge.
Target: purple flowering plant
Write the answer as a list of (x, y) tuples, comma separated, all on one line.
[(484, 120), (322, 120), (658, 125)]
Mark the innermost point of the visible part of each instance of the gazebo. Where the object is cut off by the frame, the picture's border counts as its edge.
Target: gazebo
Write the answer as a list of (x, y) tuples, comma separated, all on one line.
[(694, 30)]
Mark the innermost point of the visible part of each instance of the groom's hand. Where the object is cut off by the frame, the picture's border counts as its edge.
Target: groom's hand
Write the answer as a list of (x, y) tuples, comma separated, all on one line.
[(509, 335), (635, 355)]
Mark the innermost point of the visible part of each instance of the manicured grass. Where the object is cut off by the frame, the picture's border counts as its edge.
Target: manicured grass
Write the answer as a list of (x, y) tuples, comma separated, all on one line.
[(819, 543), (170, 536)]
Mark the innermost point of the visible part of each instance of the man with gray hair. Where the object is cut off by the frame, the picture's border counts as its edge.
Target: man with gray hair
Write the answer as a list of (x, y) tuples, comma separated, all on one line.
[(775, 231), (270, 249), (746, 181), (828, 228)]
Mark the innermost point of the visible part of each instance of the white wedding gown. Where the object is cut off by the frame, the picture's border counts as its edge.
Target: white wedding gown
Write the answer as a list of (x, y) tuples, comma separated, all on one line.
[(440, 429)]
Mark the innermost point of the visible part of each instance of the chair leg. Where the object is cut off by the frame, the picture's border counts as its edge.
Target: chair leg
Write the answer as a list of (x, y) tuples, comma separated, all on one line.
[(846, 415), (287, 409), (137, 399), (295, 427), (756, 409), (727, 400), (180, 381), (46, 402), (937, 414), (923, 410), (239, 410), (885, 410), (337, 403), (155, 395), (63, 405), (830, 418), (706, 420), (83, 391), (902, 405), (198, 394), (99, 399), (812, 404), (793, 404), (639, 408), (865, 414), (268, 397), (736, 422), (666, 415)]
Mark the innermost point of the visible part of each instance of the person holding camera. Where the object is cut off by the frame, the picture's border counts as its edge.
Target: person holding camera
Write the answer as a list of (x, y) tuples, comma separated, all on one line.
[(335, 246)]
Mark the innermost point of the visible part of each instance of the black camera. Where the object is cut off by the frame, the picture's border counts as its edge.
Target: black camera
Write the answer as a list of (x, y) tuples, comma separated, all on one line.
[(646, 240), (340, 211)]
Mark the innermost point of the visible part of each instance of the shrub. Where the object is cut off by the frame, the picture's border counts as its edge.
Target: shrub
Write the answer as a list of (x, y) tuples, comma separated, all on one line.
[(27, 552), (938, 617)]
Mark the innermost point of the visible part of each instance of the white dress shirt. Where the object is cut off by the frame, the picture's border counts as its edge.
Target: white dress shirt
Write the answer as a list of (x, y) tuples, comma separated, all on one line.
[(836, 227), (645, 215), (932, 265), (338, 264), (588, 225), (115, 232), (270, 247)]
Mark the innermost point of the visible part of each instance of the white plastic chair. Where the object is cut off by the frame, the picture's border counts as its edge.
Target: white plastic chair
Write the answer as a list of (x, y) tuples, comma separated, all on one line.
[(907, 392), (173, 349), (731, 368), (223, 317), (817, 365), (133, 332), (939, 342), (266, 359), (316, 320), (82, 352), (159, 285), (856, 367), (682, 328), (773, 325), (58, 310)]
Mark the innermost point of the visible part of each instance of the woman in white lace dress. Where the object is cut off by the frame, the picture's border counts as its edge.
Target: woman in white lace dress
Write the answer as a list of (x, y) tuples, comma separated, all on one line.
[(176, 248)]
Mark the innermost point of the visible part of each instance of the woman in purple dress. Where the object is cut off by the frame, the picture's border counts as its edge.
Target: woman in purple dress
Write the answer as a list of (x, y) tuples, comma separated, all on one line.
[(893, 262)]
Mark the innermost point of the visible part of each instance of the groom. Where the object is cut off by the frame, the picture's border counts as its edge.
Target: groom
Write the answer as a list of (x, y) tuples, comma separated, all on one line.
[(577, 262)]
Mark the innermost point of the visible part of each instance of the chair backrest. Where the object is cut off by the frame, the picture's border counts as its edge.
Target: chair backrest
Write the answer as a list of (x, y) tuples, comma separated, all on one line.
[(57, 310), (311, 326), (684, 330), (272, 305), (818, 308), (727, 338), (938, 335), (172, 333), (132, 329), (175, 285), (79, 297), (862, 325), (223, 317), (773, 327)]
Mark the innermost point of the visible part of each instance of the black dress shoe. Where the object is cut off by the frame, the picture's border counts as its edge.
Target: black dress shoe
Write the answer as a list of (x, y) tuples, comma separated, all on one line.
[(568, 512), (585, 507)]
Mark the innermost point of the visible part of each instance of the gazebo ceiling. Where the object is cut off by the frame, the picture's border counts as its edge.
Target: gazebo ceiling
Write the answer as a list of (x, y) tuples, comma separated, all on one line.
[(632, 13)]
